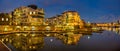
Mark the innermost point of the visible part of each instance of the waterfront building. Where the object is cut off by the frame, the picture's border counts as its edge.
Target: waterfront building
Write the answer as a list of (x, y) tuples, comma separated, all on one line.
[(72, 18), (28, 15), (32, 18), (67, 20)]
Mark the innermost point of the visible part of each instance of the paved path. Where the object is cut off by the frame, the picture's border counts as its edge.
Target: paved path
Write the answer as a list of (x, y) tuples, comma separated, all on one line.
[(3, 47)]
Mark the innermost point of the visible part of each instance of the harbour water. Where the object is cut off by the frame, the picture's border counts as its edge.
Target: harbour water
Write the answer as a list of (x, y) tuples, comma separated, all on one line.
[(107, 40)]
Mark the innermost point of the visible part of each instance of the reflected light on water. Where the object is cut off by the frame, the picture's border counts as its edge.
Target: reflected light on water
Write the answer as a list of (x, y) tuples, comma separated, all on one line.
[(29, 42), (88, 37), (51, 40), (48, 35)]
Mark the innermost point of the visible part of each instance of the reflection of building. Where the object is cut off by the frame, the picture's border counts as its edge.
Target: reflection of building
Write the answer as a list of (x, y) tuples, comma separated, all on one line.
[(30, 15), (73, 39), (34, 42), (24, 42), (117, 30), (70, 38)]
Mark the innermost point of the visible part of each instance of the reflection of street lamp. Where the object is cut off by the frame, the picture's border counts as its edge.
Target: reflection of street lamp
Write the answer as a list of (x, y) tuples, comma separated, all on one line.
[(88, 37), (51, 40)]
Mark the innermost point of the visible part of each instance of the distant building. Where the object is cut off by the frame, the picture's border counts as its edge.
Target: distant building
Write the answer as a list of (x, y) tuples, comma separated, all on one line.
[(28, 15), (72, 18)]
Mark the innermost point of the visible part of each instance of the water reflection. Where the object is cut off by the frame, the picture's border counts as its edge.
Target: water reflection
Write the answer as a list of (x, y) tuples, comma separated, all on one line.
[(117, 30), (23, 42), (70, 41), (28, 42)]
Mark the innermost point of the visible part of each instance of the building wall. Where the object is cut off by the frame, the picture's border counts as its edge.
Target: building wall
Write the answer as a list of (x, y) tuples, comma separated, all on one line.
[(67, 19), (5, 19), (28, 16)]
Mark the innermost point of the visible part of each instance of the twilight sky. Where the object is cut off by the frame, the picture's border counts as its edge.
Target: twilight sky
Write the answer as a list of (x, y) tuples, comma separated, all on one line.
[(89, 10)]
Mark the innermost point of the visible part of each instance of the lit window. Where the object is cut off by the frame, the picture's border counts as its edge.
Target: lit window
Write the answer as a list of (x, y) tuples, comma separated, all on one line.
[(2, 19), (30, 13), (6, 19), (70, 15), (33, 12)]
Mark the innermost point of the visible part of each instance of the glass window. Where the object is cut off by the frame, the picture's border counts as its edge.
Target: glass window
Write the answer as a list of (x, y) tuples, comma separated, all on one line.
[(6, 19), (2, 19), (33, 12), (30, 13)]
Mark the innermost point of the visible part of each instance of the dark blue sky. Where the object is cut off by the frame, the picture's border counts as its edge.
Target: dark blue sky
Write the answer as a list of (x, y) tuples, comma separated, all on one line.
[(89, 10)]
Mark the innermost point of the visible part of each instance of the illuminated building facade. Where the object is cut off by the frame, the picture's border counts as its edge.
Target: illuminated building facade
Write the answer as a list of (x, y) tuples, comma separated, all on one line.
[(72, 18), (55, 20), (68, 19), (30, 15), (32, 18)]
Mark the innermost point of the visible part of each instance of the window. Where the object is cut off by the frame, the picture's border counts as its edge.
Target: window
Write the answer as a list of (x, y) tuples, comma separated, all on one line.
[(30, 13), (71, 15), (2, 19), (6, 19), (33, 12)]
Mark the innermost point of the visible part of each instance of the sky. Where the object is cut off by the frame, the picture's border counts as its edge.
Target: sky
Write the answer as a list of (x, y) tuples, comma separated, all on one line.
[(89, 10)]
